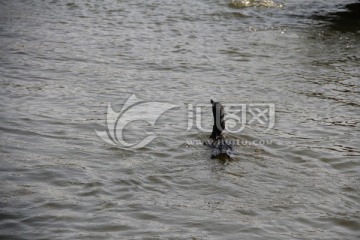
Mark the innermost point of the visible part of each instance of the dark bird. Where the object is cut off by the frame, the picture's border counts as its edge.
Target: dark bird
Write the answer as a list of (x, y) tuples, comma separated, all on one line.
[(219, 121), (219, 145)]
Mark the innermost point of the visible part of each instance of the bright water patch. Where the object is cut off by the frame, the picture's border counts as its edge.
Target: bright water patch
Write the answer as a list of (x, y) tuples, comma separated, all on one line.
[(254, 3)]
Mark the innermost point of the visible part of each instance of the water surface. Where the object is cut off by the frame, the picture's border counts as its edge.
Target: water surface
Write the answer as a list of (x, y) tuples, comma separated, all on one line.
[(62, 62)]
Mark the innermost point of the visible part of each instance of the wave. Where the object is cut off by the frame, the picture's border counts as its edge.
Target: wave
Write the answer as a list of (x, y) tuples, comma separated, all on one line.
[(254, 3)]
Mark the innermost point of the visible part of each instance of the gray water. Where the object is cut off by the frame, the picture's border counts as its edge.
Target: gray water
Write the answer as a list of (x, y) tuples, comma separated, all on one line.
[(62, 62)]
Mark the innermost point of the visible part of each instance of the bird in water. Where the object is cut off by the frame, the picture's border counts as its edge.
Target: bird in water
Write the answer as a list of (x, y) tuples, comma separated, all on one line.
[(219, 145)]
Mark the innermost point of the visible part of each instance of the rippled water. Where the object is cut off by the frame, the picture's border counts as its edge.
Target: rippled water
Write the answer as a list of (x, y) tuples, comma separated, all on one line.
[(62, 62)]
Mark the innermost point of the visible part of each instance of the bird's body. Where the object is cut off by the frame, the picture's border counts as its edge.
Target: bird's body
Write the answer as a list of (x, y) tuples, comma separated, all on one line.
[(219, 145), (219, 121)]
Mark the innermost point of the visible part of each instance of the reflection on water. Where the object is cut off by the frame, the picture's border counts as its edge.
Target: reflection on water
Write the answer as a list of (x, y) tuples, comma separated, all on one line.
[(253, 3), (63, 62)]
